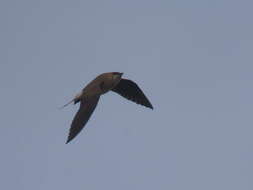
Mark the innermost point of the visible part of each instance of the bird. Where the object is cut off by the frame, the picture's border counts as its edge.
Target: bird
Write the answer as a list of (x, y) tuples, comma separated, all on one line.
[(90, 95)]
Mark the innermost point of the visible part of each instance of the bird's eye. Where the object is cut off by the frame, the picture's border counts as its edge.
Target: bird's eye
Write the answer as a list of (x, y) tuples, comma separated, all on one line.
[(115, 76)]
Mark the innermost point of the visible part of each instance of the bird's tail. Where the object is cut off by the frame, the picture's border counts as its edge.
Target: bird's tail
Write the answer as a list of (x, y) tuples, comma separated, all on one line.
[(75, 100), (67, 104)]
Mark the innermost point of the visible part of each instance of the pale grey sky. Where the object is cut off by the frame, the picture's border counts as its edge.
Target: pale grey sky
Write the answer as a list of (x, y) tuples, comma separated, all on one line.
[(193, 59)]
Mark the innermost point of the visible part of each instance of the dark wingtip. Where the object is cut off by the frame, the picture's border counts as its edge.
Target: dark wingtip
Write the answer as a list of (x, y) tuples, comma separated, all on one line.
[(150, 106), (147, 103), (69, 139)]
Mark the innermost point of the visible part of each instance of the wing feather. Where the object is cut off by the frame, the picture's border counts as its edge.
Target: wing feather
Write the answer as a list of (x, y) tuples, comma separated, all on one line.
[(82, 116), (131, 91)]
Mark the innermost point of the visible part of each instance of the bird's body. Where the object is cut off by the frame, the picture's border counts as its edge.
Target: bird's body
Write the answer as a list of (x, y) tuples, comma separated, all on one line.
[(90, 95), (101, 84)]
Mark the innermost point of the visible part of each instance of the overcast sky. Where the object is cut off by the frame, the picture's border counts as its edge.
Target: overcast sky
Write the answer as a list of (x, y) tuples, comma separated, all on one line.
[(193, 59)]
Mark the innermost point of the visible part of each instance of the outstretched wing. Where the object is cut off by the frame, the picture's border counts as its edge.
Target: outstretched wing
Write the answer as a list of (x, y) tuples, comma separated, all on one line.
[(82, 117), (131, 91)]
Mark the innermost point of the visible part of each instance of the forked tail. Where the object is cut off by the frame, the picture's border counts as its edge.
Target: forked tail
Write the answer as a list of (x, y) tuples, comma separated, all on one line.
[(67, 104), (75, 100)]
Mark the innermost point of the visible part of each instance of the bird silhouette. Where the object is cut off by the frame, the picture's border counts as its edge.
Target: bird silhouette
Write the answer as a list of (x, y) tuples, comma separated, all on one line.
[(90, 95)]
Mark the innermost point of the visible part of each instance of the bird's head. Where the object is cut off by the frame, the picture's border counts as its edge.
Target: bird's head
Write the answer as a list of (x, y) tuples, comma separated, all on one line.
[(117, 75)]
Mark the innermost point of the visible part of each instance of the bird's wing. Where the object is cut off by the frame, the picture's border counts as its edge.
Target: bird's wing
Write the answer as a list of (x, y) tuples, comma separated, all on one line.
[(131, 91), (82, 116)]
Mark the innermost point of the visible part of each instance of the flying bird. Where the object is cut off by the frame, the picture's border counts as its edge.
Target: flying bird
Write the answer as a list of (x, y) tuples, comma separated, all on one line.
[(90, 95)]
